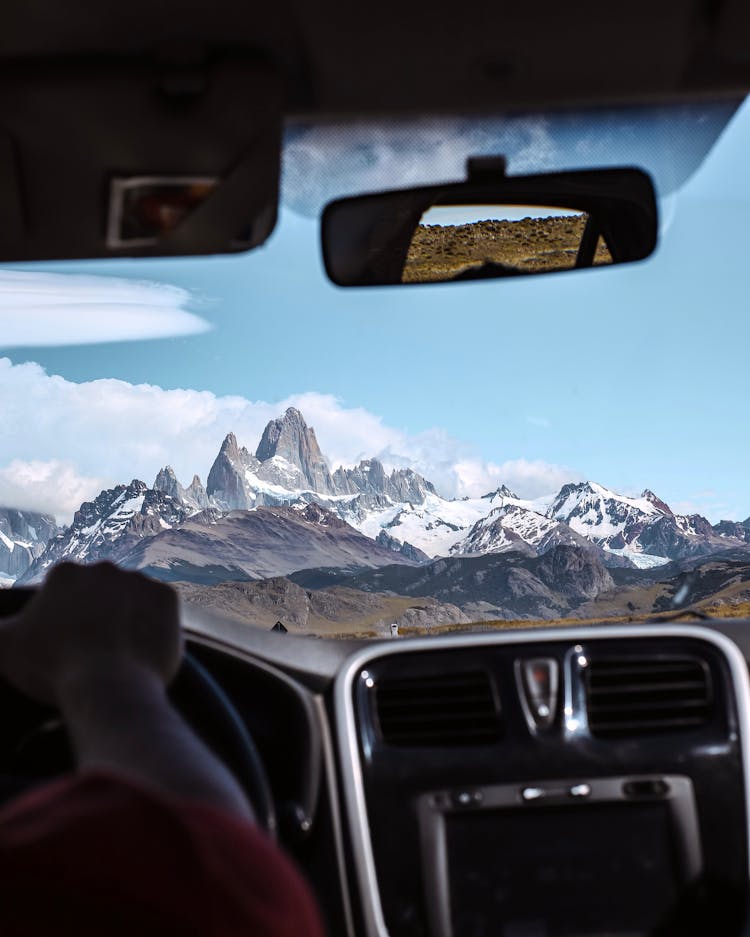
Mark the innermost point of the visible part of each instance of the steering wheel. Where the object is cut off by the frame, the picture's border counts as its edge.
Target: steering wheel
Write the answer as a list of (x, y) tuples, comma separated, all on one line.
[(37, 748), (194, 692), (210, 712)]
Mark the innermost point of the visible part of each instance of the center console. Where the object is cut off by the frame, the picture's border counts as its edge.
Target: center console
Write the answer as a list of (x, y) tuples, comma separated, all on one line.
[(523, 785)]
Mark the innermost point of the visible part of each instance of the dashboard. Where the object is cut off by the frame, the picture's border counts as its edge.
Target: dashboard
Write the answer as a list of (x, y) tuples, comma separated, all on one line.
[(522, 783), (544, 784)]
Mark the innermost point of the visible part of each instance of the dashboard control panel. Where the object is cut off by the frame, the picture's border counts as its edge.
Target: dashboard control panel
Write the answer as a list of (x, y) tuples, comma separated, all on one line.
[(545, 784)]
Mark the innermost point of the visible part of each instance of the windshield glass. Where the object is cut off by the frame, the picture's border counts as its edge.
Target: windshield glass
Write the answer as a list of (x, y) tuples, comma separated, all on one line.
[(377, 461)]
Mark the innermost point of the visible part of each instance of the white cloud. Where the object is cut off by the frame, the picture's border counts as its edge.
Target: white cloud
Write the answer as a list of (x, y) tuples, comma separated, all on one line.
[(528, 479), (52, 487), (61, 442), (71, 309)]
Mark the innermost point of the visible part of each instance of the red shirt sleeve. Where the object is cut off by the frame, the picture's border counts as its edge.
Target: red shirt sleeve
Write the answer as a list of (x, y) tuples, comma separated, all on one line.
[(96, 855)]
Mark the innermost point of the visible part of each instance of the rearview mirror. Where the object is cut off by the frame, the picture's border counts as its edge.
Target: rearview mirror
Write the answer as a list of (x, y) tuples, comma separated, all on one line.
[(490, 226)]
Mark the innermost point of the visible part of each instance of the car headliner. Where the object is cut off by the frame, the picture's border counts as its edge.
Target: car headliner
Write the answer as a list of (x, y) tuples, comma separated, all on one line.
[(339, 58)]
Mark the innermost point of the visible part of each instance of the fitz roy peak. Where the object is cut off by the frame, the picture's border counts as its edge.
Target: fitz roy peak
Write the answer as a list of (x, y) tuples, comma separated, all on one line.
[(288, 465), (288, 459), (290, 439)]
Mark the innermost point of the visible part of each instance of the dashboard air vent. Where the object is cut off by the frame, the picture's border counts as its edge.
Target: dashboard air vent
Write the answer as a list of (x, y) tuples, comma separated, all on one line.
[(450, 709), (635, 696)]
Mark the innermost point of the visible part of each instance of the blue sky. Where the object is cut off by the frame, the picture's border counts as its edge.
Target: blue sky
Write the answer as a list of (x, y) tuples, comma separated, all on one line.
[(635, 376)]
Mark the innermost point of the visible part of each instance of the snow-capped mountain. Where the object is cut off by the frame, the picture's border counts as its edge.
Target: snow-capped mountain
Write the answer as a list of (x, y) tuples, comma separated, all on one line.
[(108, 527), (23, 537), (400, 510), (289, 467), (504, 528), (644, 529), (609, 519)]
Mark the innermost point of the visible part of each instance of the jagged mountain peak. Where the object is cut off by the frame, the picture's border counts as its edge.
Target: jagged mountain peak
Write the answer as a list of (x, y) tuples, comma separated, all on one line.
[(165, 478), (230, 445), (233, 451), (108, 526), (657, 502), (284, 436), (579, 496), (373, 467), (502, 492), (193, 497), (582, 487), (291, 439), (642, 528), (369, 478), (226, 481)]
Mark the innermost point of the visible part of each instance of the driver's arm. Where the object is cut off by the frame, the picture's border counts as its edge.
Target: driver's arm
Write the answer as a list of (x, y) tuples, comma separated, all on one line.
[(102, 644), (151, 836)]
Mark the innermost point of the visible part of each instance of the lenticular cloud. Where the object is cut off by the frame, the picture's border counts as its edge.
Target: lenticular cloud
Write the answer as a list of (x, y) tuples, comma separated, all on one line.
[(71, 309)]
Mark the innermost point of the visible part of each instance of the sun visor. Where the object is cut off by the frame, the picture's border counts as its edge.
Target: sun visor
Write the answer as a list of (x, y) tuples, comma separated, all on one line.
[(111, 160)]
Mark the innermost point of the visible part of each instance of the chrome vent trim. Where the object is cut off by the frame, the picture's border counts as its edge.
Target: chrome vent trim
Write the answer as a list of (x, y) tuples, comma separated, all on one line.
[(632, 696), (445, 710)]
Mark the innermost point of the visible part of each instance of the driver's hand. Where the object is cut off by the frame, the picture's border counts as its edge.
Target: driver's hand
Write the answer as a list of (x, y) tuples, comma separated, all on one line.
[(90, 622)]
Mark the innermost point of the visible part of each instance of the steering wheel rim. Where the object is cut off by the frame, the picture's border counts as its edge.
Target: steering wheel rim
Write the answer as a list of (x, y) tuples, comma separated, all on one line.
[(209, 711), (206, 708)]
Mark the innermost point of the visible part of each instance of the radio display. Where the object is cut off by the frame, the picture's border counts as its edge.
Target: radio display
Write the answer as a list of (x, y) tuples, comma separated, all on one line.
[(560, 871)]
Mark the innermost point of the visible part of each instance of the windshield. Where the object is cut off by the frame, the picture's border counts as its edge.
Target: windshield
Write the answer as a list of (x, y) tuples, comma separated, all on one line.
[(402, 460)]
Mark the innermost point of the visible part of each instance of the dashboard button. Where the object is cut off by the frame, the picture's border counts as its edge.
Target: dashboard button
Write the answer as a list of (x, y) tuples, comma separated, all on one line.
[(539, 681)]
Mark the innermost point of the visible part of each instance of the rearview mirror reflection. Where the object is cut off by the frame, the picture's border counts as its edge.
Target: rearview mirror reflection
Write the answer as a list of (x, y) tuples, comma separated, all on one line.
[(476, 242)]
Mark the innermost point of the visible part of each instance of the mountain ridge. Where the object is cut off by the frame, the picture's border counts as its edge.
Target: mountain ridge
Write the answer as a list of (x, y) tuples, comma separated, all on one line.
[(398, 511)]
